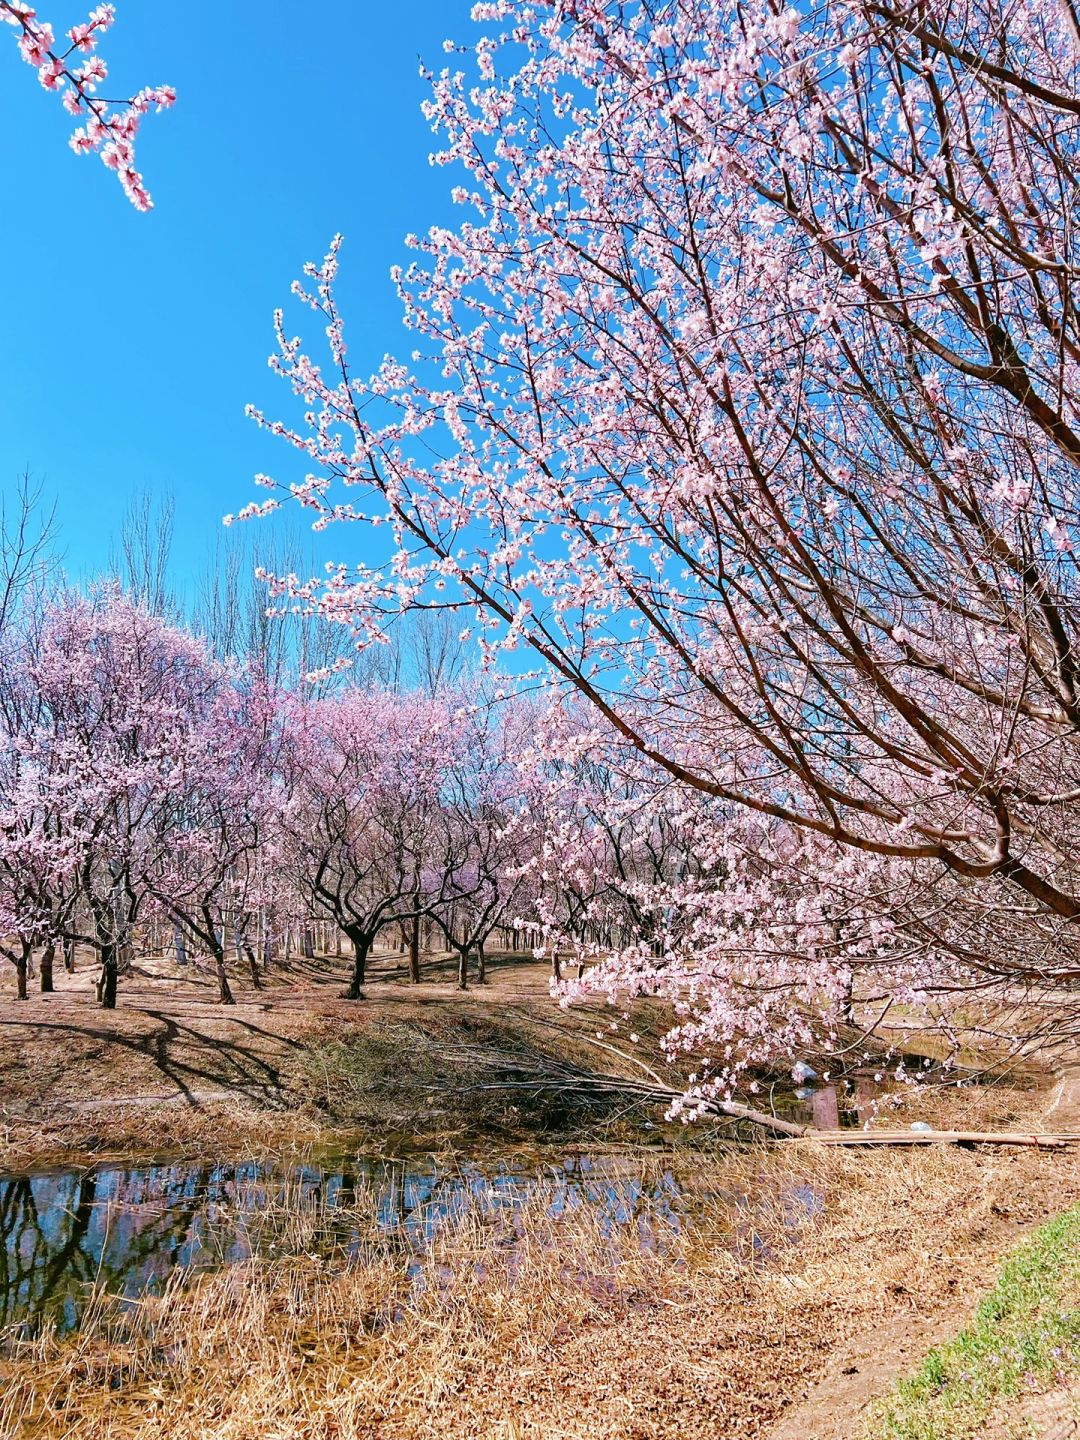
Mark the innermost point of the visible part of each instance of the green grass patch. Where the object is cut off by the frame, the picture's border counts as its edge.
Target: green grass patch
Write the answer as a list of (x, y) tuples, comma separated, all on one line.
[(1022, 1338)]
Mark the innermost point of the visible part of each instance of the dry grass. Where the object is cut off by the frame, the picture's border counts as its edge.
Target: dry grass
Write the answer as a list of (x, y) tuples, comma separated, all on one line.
[(570, 1331)]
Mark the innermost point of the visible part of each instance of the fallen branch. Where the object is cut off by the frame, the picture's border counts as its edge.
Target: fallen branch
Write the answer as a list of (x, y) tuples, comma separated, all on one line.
[(941, 1137), (538, 1074)]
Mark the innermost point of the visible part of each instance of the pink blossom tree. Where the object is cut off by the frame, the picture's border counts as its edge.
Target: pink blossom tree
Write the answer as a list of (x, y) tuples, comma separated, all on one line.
[(218, 823), (484, 834), (118, 693), (361, 774), (74, 70), (746, 396)]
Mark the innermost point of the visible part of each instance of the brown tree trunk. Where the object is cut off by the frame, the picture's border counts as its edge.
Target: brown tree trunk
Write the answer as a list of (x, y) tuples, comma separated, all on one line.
[(69, 956), (21, 968), (463, 969), (414, 952), (253, 966), (48, 955), (481, 964), (106, 984), (225, 995), (360, 954)]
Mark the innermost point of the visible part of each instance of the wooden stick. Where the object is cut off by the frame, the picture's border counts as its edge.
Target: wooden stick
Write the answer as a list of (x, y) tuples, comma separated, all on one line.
[(940, 1137)]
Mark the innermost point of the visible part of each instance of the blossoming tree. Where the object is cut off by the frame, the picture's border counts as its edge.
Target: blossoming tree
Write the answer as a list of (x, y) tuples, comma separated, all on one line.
[(746, 396)]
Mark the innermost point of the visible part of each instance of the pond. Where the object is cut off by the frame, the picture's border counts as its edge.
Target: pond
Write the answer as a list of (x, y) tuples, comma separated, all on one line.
[(127, 1229)]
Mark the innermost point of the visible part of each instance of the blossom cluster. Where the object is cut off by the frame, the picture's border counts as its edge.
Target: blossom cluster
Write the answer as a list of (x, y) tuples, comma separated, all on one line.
[(75, 71)]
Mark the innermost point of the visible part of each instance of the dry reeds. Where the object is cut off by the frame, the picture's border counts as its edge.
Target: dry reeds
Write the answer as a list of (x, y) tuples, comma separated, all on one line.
[(692, 1318)]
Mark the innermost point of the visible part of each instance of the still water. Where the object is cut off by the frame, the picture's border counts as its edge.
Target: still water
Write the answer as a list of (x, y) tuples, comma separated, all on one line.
[(127, 1229)]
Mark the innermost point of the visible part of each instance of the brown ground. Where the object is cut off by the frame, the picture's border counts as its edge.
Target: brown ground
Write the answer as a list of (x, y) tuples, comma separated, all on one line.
[(170, 1065), (907, 1243)]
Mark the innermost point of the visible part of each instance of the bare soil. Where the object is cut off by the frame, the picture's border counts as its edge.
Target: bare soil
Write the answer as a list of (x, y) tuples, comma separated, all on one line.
[(172, 1070)]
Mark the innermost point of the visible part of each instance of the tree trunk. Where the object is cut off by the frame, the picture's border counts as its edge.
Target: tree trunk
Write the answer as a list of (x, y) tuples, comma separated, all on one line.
[(106, 984), (556, 964), (414, 952), (253, 966), (225, 995), (179, 945), (21, 968), (847, 1007), (48, 955), (360, 954), (481, 963), (463, 968), (69, 956), (308, 943)]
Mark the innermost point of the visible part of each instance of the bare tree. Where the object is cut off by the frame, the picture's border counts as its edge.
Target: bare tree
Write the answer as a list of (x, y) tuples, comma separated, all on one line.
[(27, 555), (145, 550)]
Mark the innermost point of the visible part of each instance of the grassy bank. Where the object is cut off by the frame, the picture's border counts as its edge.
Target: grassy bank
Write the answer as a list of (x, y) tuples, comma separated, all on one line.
[(1015, 1370)]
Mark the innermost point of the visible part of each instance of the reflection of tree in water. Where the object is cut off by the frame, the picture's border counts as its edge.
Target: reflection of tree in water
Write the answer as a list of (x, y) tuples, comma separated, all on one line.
[(124, 1229), (128, 1229)]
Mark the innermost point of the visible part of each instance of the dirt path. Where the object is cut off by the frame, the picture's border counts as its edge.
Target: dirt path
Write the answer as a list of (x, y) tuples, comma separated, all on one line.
[(861, 1368)]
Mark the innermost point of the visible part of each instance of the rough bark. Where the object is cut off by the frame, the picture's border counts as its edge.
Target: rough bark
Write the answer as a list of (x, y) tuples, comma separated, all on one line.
[(414, 952), (225, 995), (106, 983), (361, 945)]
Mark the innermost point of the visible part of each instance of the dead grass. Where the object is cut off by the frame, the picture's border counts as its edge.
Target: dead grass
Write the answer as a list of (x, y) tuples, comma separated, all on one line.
[(568, 1332), (716, 1336)]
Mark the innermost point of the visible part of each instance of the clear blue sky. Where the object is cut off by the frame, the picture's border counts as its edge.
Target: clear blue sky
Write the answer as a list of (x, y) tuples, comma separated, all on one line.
[(129, 344)]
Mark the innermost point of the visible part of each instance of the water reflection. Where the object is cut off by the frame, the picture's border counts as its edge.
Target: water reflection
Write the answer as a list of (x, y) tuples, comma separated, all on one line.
[(127, 1229)]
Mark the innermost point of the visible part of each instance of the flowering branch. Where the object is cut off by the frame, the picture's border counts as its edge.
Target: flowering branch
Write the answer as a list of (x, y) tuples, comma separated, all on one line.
[(107, 130)]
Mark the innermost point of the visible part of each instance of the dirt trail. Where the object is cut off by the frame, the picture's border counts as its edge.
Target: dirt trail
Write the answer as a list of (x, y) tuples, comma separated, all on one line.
[(861, 1369)]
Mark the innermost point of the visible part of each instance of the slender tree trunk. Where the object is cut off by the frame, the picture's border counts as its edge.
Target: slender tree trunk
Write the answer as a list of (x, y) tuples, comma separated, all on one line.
[(106, 984), (69, 956), (847, 1007), (308, 943), (556, 964), (360, 954), (225, 995), (414, 952), (481, 963), (463, 968), (179, 945), (21, 967), (48, 955), (253, 966)]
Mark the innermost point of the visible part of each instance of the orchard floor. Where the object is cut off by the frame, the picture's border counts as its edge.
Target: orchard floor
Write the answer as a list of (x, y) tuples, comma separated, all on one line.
[(170, 1065), (793, 1348)]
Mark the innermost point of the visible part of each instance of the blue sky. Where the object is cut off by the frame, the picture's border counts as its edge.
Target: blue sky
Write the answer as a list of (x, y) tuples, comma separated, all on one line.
[(129, 344)]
